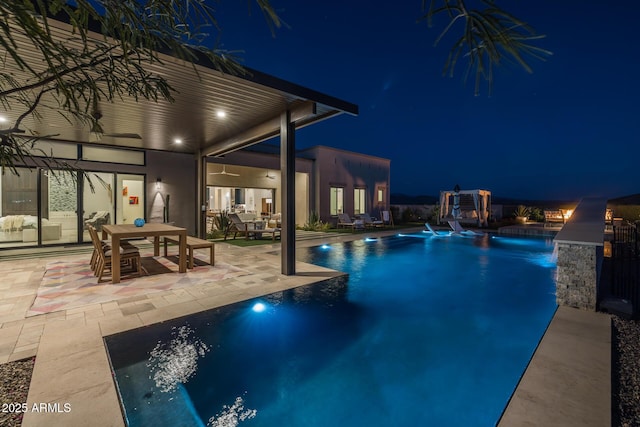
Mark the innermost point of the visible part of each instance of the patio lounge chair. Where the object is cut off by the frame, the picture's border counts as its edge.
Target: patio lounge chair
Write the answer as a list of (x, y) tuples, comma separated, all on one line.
[(456, 227), (458, 230), (371, 222), (97, 220), (429, 230), (387, 218), (250, 229), (237, 226), (345, 221), (274, 231)]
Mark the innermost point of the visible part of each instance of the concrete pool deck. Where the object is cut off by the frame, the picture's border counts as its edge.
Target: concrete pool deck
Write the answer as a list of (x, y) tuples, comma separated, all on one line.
[(567, 379)]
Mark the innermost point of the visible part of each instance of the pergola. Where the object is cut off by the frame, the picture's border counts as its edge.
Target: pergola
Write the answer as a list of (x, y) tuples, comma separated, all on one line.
[(213, 113), (475, 206)]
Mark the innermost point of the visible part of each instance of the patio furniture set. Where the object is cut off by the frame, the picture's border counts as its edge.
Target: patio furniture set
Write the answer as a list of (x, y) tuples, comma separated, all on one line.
[(362, 221), (104, 258), (252, 228)]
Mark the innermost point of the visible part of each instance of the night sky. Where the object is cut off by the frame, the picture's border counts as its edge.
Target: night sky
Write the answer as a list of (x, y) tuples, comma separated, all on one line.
[(570, 129)]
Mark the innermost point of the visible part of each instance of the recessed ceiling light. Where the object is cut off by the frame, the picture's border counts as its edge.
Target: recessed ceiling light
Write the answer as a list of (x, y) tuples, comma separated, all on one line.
[(177, 141), (221, 114), (3, 119)]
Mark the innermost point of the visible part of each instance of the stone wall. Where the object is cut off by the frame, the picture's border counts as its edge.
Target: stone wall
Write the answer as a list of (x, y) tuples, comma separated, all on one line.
[(577, 276), (62, 193)]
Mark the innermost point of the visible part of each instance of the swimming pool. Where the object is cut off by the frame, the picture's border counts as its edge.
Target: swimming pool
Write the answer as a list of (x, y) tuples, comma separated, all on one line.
[(427, 331)]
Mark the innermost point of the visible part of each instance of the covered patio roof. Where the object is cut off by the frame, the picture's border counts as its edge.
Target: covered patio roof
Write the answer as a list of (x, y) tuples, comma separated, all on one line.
[(250, 105)]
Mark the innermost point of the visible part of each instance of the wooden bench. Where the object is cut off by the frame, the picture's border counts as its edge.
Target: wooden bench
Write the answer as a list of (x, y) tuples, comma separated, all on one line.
[(193, 243), (555, 215)]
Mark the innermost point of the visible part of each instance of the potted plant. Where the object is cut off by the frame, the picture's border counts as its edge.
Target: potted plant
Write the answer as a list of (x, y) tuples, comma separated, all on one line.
[(522, 214)]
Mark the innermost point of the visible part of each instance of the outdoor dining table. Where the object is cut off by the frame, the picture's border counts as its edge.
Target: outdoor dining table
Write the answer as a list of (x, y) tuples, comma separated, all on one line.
[(123, 231)]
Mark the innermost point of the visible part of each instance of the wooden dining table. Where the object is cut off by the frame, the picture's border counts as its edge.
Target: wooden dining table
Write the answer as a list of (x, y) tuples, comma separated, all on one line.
[(155, 230)]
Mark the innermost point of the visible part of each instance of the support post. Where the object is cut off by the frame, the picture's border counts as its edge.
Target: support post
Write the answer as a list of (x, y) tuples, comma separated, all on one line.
[(201, 189), (288, 173)]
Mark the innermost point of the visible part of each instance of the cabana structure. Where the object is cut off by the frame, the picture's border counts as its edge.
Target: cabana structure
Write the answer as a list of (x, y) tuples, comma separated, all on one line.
[(474, 206)]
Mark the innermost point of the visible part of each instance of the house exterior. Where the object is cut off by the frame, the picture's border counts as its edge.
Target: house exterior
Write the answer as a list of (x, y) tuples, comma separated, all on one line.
[(328, 181), (153, 160), (125, 187), (348, 182), (160, 186)]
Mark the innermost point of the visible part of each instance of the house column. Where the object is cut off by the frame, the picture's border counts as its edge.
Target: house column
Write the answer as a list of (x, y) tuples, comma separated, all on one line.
[(288, 173), (201, 188)]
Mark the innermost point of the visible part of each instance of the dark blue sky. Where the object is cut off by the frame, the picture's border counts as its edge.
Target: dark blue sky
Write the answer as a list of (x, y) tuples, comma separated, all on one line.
[(570, 129)]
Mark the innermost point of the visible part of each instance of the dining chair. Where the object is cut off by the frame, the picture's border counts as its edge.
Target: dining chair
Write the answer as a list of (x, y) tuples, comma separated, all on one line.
[(103, 256)]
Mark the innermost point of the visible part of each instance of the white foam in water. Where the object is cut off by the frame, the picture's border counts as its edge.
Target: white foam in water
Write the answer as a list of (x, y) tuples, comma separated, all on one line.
[(175, 363), (232, 415)]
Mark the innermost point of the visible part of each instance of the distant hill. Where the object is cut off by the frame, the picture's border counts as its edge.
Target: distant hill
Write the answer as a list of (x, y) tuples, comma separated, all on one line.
[(633, 199), (403, 199), (552, 204)]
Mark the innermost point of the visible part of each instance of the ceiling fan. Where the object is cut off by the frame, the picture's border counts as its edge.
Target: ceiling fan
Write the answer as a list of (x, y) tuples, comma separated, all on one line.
[(224, 172)]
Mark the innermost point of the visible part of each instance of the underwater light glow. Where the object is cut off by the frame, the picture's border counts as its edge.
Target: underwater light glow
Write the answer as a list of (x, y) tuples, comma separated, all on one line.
[(325, 247), (259, 307), (370, 239)]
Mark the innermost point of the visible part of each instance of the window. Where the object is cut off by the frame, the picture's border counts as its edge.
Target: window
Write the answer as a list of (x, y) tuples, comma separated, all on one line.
[(113, 155), (359, 205), (337, 200), (380, 195)]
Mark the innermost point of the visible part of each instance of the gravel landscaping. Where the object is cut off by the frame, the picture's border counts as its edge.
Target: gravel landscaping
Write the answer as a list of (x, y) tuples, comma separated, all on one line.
[(626, 372), (15, 378)]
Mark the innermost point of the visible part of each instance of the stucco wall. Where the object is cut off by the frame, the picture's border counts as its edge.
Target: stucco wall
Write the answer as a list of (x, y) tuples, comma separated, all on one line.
[(178, 174), (338, 168), (317, 169)]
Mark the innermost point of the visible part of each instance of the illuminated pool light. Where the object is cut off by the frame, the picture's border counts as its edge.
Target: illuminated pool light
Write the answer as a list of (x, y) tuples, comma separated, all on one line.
[(325, 247), (259, 307), (370, 239)]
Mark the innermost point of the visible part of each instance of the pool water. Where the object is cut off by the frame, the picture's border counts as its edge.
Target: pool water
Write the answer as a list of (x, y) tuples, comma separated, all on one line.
[(427, 331)]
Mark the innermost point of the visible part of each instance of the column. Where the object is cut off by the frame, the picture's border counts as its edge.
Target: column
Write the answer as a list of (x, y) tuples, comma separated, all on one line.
[(288, 172)]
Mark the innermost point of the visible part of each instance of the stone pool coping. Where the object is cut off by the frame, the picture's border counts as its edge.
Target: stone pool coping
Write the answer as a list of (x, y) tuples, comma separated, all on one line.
[(567, 381)]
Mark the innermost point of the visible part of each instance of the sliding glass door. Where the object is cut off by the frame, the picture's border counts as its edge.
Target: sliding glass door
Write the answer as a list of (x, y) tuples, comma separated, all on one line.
[(18, 208), (130, 190), (43, 207)]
